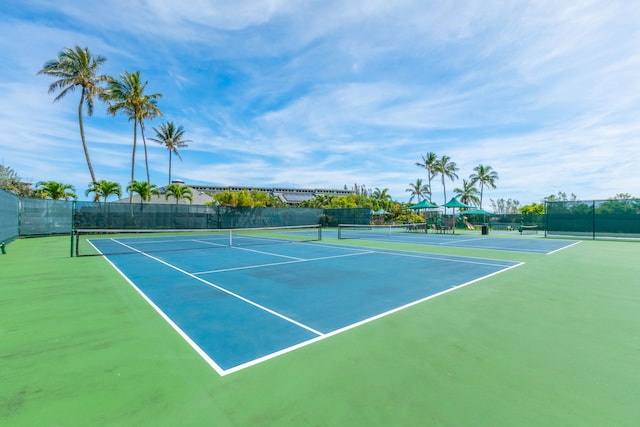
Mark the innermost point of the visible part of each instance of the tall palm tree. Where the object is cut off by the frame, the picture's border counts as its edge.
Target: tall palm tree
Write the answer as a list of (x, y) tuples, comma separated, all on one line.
[(179, 191), (418, 189), (485, 175), (103, 189), (56, 190), (171, 137), (446, 169), (429, 162), (143, 189), (127, 96), (77, 68), (468, 194)]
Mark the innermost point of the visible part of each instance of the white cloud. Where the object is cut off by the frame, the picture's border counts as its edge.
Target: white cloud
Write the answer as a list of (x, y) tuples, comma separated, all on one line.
[(328, 93)]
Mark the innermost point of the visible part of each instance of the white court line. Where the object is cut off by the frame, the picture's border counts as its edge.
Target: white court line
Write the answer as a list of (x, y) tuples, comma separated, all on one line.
[(299, 260), (425, 255), (563, 248), (361, 322), (267, 253), (463, 260), (233, 294), (320, 336), (462, 241)]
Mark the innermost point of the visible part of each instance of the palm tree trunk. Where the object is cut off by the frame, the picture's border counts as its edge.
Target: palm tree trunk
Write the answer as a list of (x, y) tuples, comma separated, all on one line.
[(133, 158), (84, 141), (444, 188), (170, 166), (146, 158)]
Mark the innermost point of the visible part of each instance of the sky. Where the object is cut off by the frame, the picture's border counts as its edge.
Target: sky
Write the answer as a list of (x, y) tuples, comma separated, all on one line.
[(328, 94)]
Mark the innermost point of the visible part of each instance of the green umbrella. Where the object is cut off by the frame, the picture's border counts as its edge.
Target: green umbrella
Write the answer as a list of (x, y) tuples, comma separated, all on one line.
[(379, 212), (455, 203), (475, 211), (425, 204)]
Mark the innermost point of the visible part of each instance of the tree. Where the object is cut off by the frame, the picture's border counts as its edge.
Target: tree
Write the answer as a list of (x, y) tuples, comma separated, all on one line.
[(171, 138), (55, 190), (561, 197), (446, 169), (485, 175), (103, 189), (127, 96), (77, 68), (379, 194), (179, 191), (468, 194), (429, 162), (534, 208), (418, 189), (622, 196), (11, 181), (143, 189), (502, 206)]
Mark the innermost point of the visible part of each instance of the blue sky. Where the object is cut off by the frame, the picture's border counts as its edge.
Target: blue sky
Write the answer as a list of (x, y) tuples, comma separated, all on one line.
[(323, 94)]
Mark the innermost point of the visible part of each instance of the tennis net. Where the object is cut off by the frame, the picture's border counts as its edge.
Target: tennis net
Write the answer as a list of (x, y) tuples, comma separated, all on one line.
[(356, 231), (109, 242)]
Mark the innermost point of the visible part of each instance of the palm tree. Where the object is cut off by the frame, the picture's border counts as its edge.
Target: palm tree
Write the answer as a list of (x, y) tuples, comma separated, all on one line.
[(103, 189), (381, 195), (429, 162), (446, 169), (56, 190), (143, 189), (485, 175), (77, 68), (381, 199), (127, 96), (179, 191), (170, 137), (418, 189), (468, 194)]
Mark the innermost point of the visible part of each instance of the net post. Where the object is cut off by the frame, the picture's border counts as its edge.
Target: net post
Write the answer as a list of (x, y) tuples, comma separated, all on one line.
[(230, 238), (319, 232)]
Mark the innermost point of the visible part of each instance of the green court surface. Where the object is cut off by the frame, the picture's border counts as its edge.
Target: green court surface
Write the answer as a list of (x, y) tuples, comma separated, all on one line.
[(554, 342)]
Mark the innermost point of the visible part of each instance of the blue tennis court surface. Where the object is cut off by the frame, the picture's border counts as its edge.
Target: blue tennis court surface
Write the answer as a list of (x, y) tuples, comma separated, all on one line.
[(238, 306), (527, 244)]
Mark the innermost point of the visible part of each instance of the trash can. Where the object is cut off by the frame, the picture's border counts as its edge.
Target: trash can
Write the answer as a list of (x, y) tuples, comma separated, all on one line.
[(485, 229)]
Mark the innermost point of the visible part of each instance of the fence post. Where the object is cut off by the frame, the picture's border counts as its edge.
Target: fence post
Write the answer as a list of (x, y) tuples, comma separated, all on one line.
[(73, 224), (593, 218), (546, 217)]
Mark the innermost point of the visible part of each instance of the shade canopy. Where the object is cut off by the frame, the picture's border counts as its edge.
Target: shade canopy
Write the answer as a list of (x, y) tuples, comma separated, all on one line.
[(455, 203), (379, 212), (475, 211), (425, 204)]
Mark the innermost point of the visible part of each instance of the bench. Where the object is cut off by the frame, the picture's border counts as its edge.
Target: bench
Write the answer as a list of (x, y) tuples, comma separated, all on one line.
[(524, 228), (445, 227), (415, 227)]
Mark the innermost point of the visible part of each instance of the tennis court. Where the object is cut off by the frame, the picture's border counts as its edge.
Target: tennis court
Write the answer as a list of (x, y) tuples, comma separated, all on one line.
[(404, 234), (241, 303), (551, 342)]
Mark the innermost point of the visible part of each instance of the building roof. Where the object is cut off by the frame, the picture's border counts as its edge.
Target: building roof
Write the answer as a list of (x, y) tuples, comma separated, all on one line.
[(202, 194)]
